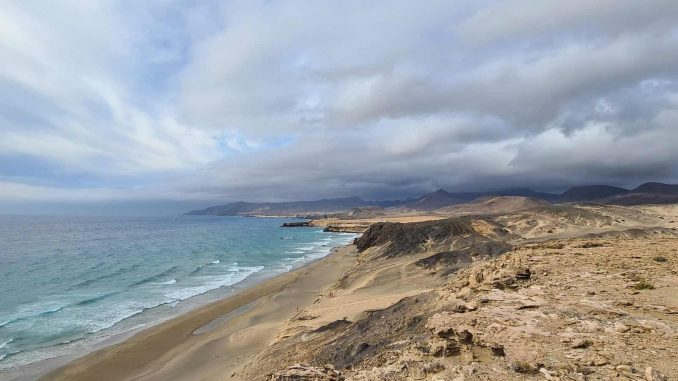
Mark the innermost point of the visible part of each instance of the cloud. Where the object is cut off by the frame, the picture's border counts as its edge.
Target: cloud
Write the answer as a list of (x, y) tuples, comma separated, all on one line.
[(524, 19), (290, 99), (68, 78)]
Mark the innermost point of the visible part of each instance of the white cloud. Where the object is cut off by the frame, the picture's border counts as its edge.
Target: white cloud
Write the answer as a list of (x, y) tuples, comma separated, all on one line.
[(66, 72), (291, 99)]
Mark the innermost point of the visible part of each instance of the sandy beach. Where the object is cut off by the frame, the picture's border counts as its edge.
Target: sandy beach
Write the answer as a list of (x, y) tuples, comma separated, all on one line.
[(215, 340)]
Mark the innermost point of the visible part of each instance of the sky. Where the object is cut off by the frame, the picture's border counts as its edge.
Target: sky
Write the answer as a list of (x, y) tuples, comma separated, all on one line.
[(164, 102)]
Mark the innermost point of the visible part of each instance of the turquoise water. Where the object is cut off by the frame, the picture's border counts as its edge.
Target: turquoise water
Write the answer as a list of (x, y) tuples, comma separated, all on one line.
[(69, 282)]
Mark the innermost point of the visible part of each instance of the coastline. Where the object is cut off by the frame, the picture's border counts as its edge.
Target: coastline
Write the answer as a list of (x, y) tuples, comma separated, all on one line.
[(187, 346), (394, 308)]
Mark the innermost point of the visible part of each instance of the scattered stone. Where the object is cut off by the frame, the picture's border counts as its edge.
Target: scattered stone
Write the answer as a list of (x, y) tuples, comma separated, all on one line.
[(359, 348), (547, 374), (587, 245), (300, 372), (333, 325), (528, 307), (586, 370), (653, 375), (524, 367), (581, 344), (523, 274), (433, 368), (306, 317)]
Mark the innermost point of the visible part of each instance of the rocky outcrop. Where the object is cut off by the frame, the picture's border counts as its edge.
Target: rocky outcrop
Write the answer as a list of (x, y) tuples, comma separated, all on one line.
[(300, 372), (295, 224), (347, 227), (403, 239), (376, 332), (457, 258)]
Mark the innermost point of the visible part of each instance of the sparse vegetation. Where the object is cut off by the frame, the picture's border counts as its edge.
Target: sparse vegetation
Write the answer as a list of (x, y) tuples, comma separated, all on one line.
[(524, 367), (659, 258), (643, 285), (587, 245), (434, 367)]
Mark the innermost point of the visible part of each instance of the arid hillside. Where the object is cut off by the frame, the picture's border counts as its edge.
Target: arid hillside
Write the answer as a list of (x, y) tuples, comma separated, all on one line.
[(576, 292), (494, 205)]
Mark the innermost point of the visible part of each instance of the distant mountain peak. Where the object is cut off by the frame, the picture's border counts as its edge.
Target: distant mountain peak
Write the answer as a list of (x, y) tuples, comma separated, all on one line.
[(657, 187), (591, 192), (434, 200), (650, 192), (290, 208)]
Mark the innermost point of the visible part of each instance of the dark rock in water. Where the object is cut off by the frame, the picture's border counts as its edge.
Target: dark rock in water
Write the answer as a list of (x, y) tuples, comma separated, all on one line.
[(295, 224)]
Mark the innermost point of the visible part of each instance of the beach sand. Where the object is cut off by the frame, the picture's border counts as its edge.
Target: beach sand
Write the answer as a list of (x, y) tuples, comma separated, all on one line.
[(214, 341)]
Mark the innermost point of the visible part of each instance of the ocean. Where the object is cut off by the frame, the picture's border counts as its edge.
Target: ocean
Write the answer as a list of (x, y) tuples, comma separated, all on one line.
[(68, 283)]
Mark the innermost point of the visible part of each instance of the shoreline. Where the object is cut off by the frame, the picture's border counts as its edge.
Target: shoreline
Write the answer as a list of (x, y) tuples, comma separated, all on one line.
[(382, 310), (151, 352)]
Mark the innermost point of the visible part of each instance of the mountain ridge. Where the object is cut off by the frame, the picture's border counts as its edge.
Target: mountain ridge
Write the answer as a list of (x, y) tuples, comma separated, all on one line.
[(650, 192)]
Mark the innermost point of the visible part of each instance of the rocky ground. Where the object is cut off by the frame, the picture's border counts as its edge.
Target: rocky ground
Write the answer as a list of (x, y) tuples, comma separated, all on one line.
[(478, 300), (589, 309)]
